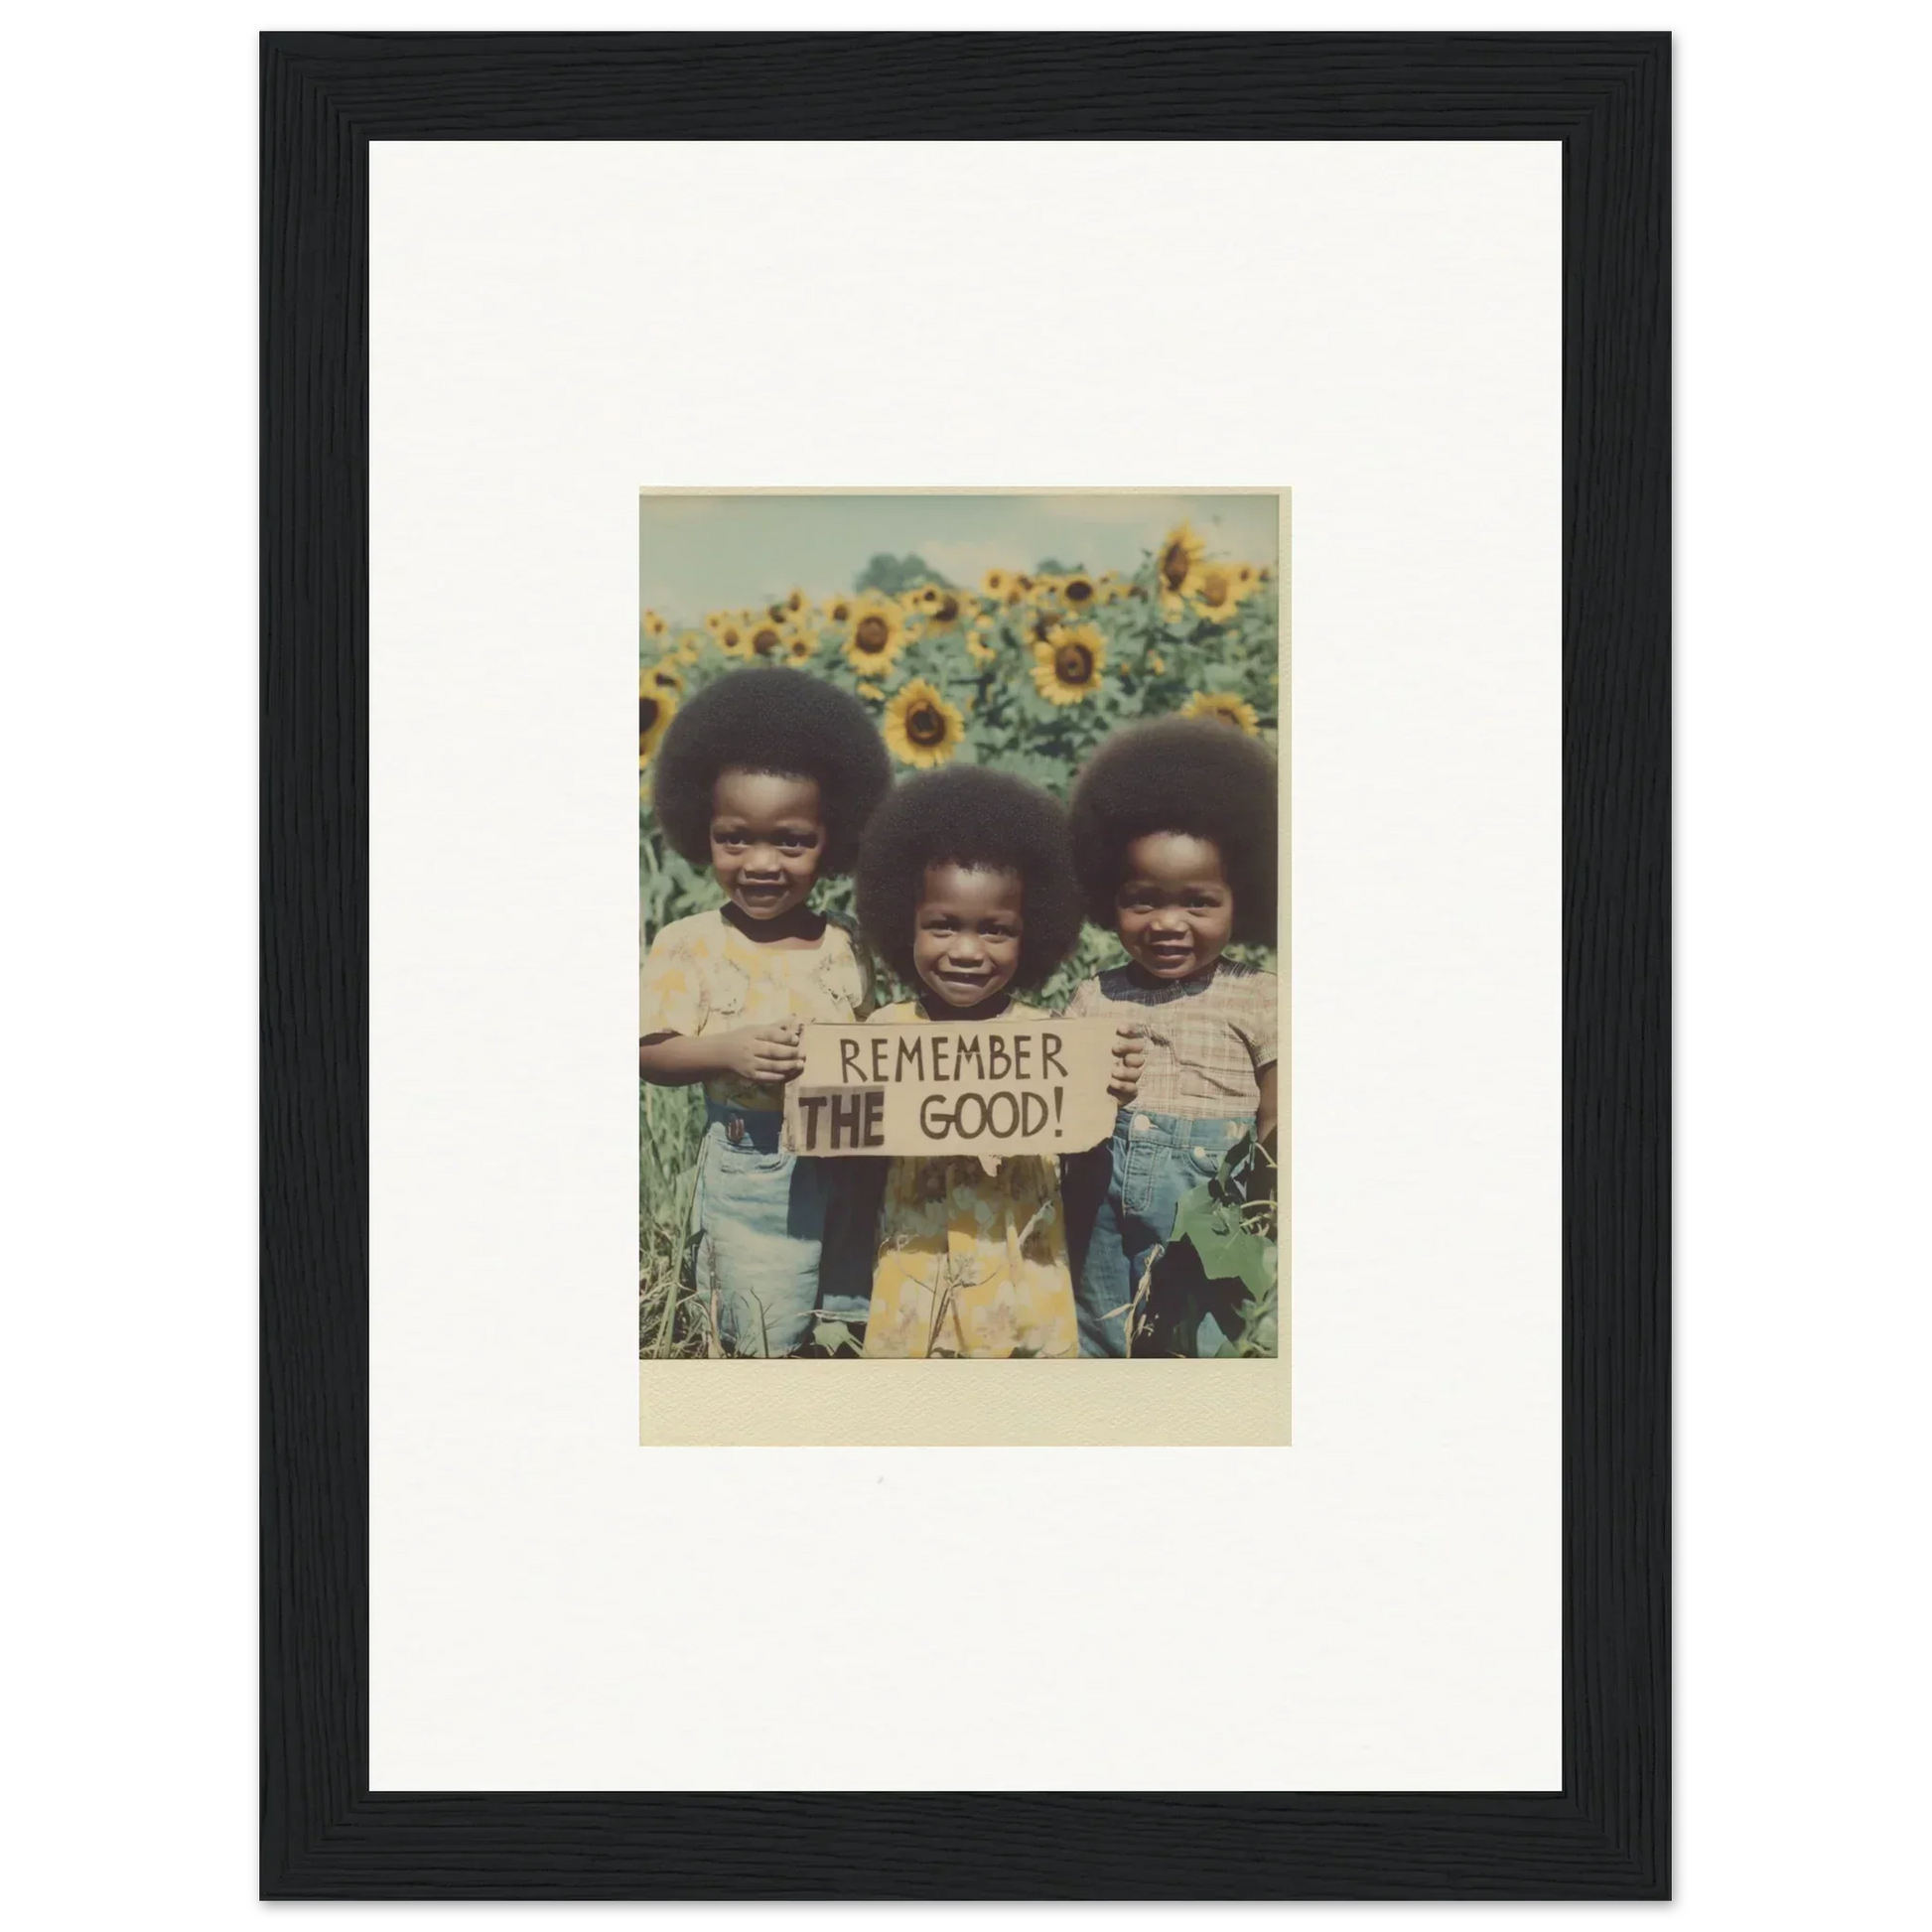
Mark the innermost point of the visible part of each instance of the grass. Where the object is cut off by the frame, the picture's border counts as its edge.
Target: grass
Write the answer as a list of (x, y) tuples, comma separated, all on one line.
[(670, 1123)]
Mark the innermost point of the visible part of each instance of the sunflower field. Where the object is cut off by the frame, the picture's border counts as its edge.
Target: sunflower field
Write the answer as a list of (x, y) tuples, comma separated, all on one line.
[(1028, 670)]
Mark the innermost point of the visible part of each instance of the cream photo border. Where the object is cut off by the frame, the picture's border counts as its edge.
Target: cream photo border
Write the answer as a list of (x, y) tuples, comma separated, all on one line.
[(1032, 1404)]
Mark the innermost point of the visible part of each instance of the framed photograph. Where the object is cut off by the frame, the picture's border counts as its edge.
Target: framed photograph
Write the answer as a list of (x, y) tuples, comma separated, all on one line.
[(1115, 1344)]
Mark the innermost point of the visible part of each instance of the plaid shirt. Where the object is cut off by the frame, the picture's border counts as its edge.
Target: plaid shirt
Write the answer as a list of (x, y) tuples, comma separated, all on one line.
[(1208, 1039)]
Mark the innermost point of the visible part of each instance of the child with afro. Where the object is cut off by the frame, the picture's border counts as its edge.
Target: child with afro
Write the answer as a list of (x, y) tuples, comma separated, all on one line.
[(767, 777), (966, 887), (1175, 830)]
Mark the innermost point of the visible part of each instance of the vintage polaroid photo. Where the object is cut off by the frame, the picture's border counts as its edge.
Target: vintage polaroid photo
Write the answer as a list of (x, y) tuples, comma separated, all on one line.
[(961, 1014)]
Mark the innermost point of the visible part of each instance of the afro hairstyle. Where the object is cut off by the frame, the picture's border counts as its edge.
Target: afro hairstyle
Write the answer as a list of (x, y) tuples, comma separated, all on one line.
[(1194, 775), (968, 816), (778, 721)]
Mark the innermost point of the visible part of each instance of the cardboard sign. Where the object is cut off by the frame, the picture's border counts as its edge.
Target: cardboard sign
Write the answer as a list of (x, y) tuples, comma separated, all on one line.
[(985, 1088)]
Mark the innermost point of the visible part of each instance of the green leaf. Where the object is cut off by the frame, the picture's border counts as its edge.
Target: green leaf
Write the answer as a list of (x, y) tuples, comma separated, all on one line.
[(834, 1335), (1227, 1250)]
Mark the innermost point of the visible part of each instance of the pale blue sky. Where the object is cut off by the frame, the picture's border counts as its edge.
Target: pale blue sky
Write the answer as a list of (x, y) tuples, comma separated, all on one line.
[(705, 553)]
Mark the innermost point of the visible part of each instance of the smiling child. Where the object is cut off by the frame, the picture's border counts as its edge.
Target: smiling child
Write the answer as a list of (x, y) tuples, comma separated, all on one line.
[(768, 776), (966, 887), (1173, 824)]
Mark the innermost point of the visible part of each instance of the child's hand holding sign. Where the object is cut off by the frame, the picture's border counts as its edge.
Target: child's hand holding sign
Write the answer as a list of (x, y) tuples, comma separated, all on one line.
[(770, 1055), (1129, 1057)]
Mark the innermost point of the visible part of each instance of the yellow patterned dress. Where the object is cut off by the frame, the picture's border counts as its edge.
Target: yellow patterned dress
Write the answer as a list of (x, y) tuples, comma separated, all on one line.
[(971, 1263)]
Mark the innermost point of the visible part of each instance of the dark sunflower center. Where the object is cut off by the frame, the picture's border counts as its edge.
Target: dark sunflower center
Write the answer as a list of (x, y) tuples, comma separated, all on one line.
[(1079, 591), (948, 609), (764, 641), (647, 715), (1073, 663), (871, 634), (1173, 564), (924, 724)]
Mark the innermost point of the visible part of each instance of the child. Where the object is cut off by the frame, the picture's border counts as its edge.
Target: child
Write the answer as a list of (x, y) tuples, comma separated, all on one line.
[(768, 776), (966, 887), (1174, 828)]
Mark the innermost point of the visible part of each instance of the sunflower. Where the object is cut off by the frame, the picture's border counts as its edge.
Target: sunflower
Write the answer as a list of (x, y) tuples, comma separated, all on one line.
[(920, 727), (665, 676), (656, 706), (765, 638), (1156, 662), (799, 646), (1067, 663), (1223, 706), (1176, 565), (871, 691), (1214, 594), (795, 605), (946, 609), (688, 646), (837, 610), (655, 627), (1247, 579), (731, 632), (875, 636), (979, 651), (1079, 592), (995, 583)]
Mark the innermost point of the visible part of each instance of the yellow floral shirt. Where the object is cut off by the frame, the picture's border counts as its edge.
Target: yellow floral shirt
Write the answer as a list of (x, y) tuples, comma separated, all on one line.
[(971, 1263), (703, 976)]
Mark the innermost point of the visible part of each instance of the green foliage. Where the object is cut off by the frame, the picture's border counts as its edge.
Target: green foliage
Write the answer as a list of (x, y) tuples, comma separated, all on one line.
[(1230, 1222), (669, 1123), (894, 576)]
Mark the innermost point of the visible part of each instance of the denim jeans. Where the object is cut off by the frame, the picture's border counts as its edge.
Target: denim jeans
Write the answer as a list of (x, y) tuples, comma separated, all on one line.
[(1121, 1201), (779, 1237)]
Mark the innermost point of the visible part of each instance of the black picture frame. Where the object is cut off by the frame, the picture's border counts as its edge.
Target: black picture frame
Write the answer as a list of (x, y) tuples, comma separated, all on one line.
[(324, 1832)]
